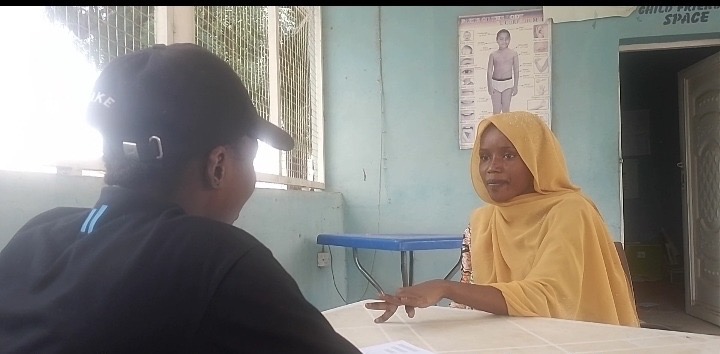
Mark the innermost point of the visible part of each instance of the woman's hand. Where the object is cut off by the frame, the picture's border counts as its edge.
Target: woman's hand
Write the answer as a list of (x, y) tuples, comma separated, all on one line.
[(422, 295), (388, 305)]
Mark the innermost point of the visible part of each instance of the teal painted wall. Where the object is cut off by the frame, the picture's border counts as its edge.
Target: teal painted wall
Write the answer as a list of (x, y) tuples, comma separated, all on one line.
[(285, 221), (392, 161), (391, 88)]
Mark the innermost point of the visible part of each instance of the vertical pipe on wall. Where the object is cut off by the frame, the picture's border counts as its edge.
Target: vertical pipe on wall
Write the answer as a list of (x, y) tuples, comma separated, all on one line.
[(383, 125)]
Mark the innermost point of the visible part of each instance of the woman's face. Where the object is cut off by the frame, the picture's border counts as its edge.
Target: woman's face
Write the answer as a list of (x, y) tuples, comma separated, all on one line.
[(503, 172)]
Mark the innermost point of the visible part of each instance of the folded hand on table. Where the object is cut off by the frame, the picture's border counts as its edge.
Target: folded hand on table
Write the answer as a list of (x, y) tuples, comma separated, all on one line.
[(421, 295)]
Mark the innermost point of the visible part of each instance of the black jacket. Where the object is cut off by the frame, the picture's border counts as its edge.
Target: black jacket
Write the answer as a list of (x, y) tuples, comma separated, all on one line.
[(137, 275)]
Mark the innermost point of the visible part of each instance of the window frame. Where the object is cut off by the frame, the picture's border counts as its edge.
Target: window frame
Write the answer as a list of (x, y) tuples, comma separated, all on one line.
[(176, 24)]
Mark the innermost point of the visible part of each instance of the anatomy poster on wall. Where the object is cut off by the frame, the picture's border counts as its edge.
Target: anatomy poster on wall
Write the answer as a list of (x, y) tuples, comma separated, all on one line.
[(504, 65)]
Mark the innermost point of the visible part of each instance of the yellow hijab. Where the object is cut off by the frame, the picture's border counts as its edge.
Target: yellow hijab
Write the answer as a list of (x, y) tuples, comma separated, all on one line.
[(548, 252)]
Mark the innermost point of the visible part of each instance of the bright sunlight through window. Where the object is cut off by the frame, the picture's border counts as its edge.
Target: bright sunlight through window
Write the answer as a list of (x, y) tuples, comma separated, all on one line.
[(46, 82)]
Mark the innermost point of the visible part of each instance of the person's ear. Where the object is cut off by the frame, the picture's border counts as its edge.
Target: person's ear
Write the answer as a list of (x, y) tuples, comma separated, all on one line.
[(216, 166)]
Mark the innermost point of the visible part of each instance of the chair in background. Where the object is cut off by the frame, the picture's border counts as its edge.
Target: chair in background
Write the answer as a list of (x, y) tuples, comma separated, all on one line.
[(623, 260)]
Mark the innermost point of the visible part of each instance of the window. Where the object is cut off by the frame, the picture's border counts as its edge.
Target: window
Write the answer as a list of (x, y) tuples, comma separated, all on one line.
[(276, 51)]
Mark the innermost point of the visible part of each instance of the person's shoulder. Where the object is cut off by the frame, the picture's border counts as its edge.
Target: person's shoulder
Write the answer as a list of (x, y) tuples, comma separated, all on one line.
[(53, 223), (194, 224), (214, 234), (481, 209), (482, 212), (191, 222), (55, 215), (58, 213), (572, 203)]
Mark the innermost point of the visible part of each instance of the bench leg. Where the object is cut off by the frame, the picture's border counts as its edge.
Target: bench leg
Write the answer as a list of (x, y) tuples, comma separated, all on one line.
[(365, 273), (454, 270), (407, 263)]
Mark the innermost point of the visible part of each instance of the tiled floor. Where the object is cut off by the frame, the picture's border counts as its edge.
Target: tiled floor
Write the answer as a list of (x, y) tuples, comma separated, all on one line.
[(663, 303)]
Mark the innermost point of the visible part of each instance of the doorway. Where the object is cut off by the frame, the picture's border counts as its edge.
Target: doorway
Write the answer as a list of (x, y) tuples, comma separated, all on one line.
[(652, 180)]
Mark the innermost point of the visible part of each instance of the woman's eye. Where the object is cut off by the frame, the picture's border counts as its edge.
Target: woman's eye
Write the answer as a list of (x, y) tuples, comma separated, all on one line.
[(484, 157), (509, 156)]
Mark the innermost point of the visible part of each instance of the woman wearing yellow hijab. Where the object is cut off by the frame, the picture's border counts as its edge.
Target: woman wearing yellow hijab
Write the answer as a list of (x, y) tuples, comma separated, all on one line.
[(539, 247)]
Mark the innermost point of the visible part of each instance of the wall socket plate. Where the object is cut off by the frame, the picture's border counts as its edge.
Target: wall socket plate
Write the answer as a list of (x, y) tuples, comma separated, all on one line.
[(323, 259)]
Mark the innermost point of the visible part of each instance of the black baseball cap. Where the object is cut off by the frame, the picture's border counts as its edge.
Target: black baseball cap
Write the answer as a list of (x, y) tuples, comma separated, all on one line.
[(173, 101)]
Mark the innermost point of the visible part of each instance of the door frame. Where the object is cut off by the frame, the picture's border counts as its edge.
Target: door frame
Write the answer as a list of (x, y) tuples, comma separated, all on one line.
[(648, 47), (683, 134)]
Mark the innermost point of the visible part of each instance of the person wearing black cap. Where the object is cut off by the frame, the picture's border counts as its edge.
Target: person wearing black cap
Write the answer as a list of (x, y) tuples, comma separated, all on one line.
[(156, 265)]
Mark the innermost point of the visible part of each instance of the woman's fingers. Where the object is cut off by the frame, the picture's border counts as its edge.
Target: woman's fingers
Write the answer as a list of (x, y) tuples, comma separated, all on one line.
[(410, 310), (389, 309), (392, 299), (386, 315), (378, 305), (390, 303)]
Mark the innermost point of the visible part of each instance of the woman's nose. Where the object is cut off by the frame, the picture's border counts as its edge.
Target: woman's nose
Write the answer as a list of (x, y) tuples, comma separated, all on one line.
[(495, 164)]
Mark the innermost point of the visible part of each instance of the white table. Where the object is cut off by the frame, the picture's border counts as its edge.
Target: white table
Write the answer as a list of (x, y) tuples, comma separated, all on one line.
[(449, 330)]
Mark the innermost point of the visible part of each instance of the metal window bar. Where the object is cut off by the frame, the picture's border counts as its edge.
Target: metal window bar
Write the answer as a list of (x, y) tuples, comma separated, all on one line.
[(240, 35), (245, 37), (298, 81), (105, 32), (101, 34)]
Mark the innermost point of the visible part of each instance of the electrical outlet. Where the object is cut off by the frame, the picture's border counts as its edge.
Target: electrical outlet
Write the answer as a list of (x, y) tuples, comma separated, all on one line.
[(323, 259)]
